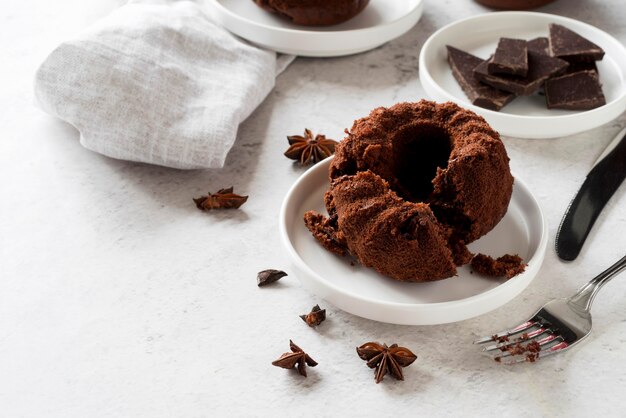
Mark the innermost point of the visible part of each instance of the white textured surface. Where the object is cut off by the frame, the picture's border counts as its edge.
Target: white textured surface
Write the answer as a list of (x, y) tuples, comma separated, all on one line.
[(118, 298)]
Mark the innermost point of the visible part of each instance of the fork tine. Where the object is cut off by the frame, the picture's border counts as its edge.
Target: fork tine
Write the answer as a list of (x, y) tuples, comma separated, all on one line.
[(528, 336), (512, 357), (531, 359), (542, 342), (518, 359), (506, 333)]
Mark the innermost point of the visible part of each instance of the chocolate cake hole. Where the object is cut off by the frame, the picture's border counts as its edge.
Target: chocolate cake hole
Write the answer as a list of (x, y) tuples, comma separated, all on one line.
[(418, 150)]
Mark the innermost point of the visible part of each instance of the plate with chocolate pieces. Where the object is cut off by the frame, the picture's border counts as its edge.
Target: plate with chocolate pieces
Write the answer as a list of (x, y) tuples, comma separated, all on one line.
[(317, 28), (530, 75)]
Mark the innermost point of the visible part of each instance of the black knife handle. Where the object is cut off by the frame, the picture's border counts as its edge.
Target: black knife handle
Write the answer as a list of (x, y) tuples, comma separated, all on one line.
[(601, 182)]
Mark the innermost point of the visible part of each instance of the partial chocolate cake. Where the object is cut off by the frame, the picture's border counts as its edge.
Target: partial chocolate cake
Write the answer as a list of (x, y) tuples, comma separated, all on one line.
[(463, 64), (314, 12), (514, 4)]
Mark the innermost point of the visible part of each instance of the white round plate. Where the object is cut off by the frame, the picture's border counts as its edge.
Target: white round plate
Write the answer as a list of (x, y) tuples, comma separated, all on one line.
[(363, 292), (380, 22), (524, 117)]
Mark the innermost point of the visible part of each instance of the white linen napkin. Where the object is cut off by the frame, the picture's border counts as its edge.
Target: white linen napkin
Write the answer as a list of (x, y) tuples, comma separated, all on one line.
[(157, 82)]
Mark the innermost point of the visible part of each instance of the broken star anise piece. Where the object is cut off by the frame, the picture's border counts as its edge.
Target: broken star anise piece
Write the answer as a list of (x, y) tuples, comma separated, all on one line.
[(306, 148), (223, 199), (386, 359), (315, 317), (297, 358), (265, 277)]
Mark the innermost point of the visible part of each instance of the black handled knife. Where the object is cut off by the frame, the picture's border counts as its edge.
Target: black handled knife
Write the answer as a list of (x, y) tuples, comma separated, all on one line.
[(602, 181)]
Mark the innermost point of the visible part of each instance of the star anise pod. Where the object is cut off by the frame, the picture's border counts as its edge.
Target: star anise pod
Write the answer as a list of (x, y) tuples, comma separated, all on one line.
[(306, 148), (386, 359), (315, 317), (297, 358), (223, 199)]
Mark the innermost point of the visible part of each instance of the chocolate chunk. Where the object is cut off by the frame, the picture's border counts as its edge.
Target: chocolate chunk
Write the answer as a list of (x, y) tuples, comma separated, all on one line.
[(577, 91), (576, 67), (511, 57), (540, 68), (463, 64), (542, 46), (539, 45), (570, 46)]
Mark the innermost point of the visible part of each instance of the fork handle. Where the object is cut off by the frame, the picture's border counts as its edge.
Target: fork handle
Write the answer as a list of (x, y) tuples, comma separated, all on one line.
[(585, 295)]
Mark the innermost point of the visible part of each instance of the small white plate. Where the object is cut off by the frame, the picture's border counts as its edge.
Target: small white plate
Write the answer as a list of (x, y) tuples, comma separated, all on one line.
[(524, 117), (380, 22), (363, 292)]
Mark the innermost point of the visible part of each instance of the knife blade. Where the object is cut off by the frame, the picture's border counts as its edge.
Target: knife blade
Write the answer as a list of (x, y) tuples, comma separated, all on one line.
[(600, 184)]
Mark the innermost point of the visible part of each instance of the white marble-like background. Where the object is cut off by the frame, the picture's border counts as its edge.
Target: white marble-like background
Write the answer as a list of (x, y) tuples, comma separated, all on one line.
[(118, 298)]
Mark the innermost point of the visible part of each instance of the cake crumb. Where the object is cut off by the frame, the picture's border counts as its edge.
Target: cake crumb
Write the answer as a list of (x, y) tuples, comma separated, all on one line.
[(506, 266), (325, 232)]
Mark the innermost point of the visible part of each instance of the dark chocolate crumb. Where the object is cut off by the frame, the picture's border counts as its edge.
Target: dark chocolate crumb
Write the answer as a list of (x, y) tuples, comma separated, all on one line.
[(508, 265), (501, 339), (533, 347)]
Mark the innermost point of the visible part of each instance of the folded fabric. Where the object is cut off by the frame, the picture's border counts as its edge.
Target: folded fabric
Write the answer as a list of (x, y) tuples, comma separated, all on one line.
[(157, 82)]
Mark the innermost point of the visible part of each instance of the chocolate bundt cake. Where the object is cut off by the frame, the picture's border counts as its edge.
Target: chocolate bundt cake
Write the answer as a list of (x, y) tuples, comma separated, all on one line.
[(314, 12), (411, 185)]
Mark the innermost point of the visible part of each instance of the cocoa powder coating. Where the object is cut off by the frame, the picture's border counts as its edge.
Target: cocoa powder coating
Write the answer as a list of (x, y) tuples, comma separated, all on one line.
[(411, 185)]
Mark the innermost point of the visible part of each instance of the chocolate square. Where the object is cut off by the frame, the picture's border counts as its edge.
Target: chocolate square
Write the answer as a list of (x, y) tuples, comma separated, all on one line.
[(577, 91), (540, 68), (511, 57), (539, 45), (463, 64), (570, 46)]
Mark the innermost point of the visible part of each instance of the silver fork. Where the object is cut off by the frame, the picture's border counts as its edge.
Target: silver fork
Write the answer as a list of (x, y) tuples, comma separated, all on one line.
[(557, 326)]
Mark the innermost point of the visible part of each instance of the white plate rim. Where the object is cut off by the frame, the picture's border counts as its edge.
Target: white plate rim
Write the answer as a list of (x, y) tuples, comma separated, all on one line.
[(535, 261), (427, 79), (224, 15)]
